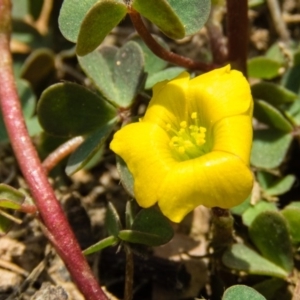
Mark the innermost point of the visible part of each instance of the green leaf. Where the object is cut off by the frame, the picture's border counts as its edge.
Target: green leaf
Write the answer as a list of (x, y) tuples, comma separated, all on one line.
[(126, 177), (109, 53), (10, 197), (281, 185), (90, 147), (262, 67), (112, 220), (175, 18), (272, 93), (268, 114), (71, 16), (240, 209), (97, 69), (97, 23), (68, 109), (153, 64), (128, 73), (253, 211), (292, 216), (275, 53), (109, 241), (150, 228), (166, 74), (292, 112), (162, 15), (39, 67), (5, 225), (265, 179), (192, 13), (20, 9), (291, 78), (118, 75), (242, 292), (270, 288), (270, 235), (240, 257), (269, 148)]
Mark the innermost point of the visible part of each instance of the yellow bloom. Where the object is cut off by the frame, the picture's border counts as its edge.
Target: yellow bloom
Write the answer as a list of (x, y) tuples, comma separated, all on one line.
[(193, 145)]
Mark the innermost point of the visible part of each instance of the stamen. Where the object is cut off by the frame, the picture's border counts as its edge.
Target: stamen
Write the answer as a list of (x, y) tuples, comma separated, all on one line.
[(188, 139)]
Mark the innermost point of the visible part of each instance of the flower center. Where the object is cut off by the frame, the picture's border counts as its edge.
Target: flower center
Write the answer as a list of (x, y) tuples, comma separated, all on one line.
[(187, 142)]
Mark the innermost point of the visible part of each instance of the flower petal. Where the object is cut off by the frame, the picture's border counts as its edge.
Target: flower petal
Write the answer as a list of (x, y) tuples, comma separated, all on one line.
[(234, 135), (215, 179), (218, 94), (168, 104), (145, 149)]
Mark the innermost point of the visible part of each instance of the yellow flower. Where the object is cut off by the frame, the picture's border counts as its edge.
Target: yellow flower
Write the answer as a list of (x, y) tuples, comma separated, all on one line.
[(193, 145)]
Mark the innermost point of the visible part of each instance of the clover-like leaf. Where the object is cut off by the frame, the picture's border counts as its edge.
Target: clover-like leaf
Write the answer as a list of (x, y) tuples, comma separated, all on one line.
[(290, 79), (268, 114), (253, 211), (71, 15), (86, 151), (117, 74), (10, 197), (128, 73), (38, 67), (162, 15), (68, 109), (272, 93), (242, 292), (270, 287), (269, 148), (103, 16), (162, 75), (153, 63), (10, 200), (292, 215), (175, 19), (270, 235), (242, 258), (97, 69), (281, 185), (263, 67), (150, 228)]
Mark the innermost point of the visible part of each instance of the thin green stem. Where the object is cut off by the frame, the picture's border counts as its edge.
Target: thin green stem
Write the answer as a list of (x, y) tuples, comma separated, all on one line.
[(237, 28), (49, 208)]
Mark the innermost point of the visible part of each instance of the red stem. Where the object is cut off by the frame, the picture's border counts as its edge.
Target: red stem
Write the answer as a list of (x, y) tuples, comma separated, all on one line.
[(61, 152), (49, 208), (161, 52), (237, 27)]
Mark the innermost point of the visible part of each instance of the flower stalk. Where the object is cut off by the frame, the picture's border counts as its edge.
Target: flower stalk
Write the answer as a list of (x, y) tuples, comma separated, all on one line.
[(237, 28), (161, 52), (51, 213)]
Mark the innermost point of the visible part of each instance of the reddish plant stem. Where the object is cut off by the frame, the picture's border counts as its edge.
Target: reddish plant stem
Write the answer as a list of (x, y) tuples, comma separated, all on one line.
[(49, 208), (161, 52), (237, 27), (61, 152)]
